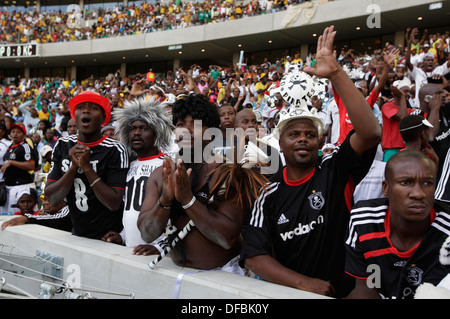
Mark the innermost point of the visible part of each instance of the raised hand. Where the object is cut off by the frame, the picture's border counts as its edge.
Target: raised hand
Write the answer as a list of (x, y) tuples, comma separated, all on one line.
[(326, 65), (390, 57), (138, 87), (412, 35)]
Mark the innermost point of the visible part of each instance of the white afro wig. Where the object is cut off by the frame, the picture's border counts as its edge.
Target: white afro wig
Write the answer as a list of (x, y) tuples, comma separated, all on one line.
[(149, 110)]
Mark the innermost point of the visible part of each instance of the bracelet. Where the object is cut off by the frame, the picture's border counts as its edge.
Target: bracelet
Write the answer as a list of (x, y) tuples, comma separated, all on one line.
[(190, 203), (165, 207), (94, 182)]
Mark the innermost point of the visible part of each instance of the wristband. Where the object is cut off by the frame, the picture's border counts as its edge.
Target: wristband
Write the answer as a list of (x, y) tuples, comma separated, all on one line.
[(190, 203), (94, 182), (165, 207)]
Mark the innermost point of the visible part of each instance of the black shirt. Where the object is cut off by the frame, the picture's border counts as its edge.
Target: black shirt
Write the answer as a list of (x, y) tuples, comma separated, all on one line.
[(400, 273), (302, 224), (109, 159), (21, 152)]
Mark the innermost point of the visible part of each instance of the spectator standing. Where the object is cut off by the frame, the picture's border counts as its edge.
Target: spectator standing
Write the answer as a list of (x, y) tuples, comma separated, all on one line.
[(392, 112), (4, 145), (55, 216), (297, 232), (422, 75), (415, 130), (19, 164), (181, 194), (262, 86), (143, 126), (227, 146), (89, 170), (371, 97), (31, 116)]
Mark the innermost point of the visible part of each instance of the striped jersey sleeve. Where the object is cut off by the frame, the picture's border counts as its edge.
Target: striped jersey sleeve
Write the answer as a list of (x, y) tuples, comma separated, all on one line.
[(442, 220), (123, 158), (364, 217), (443, 187), (60, 220), (257, 216), (366, 222)]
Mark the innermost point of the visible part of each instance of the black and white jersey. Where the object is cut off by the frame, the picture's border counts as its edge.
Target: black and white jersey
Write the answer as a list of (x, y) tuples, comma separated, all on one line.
[(302, 224), (441, 142), (443, 186), (370, 252), (60, 220), (109, 159), (21, 152), (138, 174)]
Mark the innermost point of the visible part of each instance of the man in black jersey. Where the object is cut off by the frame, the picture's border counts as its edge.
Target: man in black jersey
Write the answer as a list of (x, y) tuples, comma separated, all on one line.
[(393, 243), (54, 216), (295, 235), (19, 162), (89, 170)]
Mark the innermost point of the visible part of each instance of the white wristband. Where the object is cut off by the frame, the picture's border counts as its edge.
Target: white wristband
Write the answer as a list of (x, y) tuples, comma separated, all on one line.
[(190, 203), (94, 182)]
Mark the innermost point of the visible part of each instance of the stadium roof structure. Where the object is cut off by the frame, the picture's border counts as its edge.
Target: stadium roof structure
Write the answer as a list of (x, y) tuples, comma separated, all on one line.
[(222, 42)]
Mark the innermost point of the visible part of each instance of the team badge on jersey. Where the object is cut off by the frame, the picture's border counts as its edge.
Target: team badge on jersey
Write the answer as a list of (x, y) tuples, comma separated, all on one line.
[(316, 200), (414, 275)]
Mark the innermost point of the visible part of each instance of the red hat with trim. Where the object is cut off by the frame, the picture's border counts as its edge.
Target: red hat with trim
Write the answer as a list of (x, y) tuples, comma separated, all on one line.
[(19, 126), (94, 97)]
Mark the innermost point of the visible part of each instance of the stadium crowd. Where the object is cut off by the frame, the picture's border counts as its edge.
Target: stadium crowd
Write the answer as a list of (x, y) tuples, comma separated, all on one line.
[(400, 84), (58, 26)]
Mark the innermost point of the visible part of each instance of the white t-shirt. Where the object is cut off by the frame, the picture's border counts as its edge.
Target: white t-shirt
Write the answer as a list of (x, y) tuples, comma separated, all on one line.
[(421, 77), (371, 185), (333, 120)]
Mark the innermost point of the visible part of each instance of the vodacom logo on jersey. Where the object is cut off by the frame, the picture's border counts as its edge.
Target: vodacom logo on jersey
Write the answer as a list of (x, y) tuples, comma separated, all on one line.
[(302, 229)]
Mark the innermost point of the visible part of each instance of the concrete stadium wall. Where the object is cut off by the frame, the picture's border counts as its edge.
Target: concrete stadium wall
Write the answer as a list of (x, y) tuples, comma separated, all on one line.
[(110, 267), (326, 12)]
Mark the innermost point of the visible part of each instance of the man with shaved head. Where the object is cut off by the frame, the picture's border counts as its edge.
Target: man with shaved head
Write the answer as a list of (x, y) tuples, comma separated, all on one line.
[(393, 243)]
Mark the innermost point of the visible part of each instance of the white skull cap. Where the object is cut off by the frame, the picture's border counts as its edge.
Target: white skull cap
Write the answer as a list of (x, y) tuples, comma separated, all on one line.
[(298, 114)]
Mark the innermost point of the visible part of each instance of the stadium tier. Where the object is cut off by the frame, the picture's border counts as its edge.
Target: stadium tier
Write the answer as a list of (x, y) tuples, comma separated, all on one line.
[(96, 38)]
